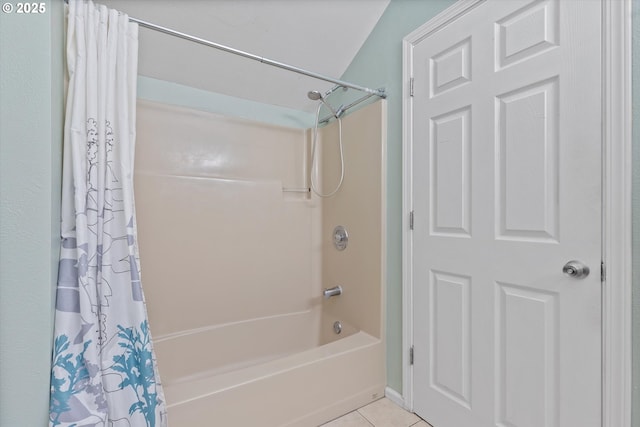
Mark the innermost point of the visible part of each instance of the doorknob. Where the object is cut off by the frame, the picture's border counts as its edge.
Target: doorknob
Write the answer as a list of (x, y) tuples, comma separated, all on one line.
[(575, 269)]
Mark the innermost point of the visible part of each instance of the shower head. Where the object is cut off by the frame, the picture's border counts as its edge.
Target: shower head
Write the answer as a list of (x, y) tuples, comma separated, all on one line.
[(315, 95)]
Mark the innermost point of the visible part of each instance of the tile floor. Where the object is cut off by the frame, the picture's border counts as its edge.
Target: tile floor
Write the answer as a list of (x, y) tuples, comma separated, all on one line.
[(381, 413)]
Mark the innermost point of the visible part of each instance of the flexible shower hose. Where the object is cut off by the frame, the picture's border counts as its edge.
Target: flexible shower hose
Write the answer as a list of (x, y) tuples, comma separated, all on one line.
[(313, 156)]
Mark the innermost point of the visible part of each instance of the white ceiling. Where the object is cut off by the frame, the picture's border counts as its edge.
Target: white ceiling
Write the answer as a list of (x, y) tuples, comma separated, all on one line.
[(318, 35)]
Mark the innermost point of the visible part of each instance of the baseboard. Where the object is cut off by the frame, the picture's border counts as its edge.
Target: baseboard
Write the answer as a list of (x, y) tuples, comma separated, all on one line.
[(396, 398)]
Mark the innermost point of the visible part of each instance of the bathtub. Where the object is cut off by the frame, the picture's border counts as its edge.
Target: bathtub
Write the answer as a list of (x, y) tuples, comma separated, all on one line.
[(234, 265), (287, 370)]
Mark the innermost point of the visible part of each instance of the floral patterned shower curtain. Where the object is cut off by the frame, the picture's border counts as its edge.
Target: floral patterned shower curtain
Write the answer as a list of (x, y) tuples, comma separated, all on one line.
[(104, 371)]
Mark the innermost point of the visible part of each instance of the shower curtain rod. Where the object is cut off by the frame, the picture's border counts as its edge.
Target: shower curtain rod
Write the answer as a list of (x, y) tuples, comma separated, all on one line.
[(377, 92)]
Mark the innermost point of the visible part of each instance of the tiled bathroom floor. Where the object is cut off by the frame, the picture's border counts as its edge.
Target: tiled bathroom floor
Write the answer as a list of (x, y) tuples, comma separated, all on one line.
[(381, 413)]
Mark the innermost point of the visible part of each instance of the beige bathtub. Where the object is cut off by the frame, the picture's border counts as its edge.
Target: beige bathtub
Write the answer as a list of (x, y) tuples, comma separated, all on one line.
[(234, 259), (274, 371)]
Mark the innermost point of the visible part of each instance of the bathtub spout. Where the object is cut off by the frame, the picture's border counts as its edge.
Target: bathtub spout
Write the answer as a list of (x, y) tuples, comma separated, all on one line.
[(332, 292)]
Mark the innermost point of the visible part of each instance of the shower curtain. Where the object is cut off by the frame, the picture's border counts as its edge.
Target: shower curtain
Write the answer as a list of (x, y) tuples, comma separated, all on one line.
[(104, 371)]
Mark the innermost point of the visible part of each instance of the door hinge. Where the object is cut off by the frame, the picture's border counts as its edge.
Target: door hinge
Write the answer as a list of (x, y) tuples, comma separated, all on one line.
[(411, 80), (603, 272), (411, 355), (411, 220)]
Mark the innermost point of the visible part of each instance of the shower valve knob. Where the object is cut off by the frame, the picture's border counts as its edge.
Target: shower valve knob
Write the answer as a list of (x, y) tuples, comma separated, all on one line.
[(340, 238)]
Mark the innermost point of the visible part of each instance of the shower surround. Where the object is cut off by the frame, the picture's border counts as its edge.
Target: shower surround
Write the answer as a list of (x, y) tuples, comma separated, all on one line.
[(235, 257)]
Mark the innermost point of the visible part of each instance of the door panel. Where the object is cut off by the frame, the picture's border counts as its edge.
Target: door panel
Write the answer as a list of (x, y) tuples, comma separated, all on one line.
[(506, 156), (526, 326), (527, 172), (450, 333), (450, 148)]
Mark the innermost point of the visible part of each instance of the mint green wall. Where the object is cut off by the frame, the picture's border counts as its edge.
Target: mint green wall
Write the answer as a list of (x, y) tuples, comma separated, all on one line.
[(636, 215), (379, 63), (185, 96), (30, 145)]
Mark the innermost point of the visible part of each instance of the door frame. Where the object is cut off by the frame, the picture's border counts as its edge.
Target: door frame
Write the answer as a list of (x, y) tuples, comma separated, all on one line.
[(616, 205)]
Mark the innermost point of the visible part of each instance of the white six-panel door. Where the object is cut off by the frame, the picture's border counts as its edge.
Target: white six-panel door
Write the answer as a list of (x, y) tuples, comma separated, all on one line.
[(506, 189)]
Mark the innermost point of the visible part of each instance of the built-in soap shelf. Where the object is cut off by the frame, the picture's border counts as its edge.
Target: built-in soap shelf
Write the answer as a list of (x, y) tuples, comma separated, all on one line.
[(299, 194), (296, 190)]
